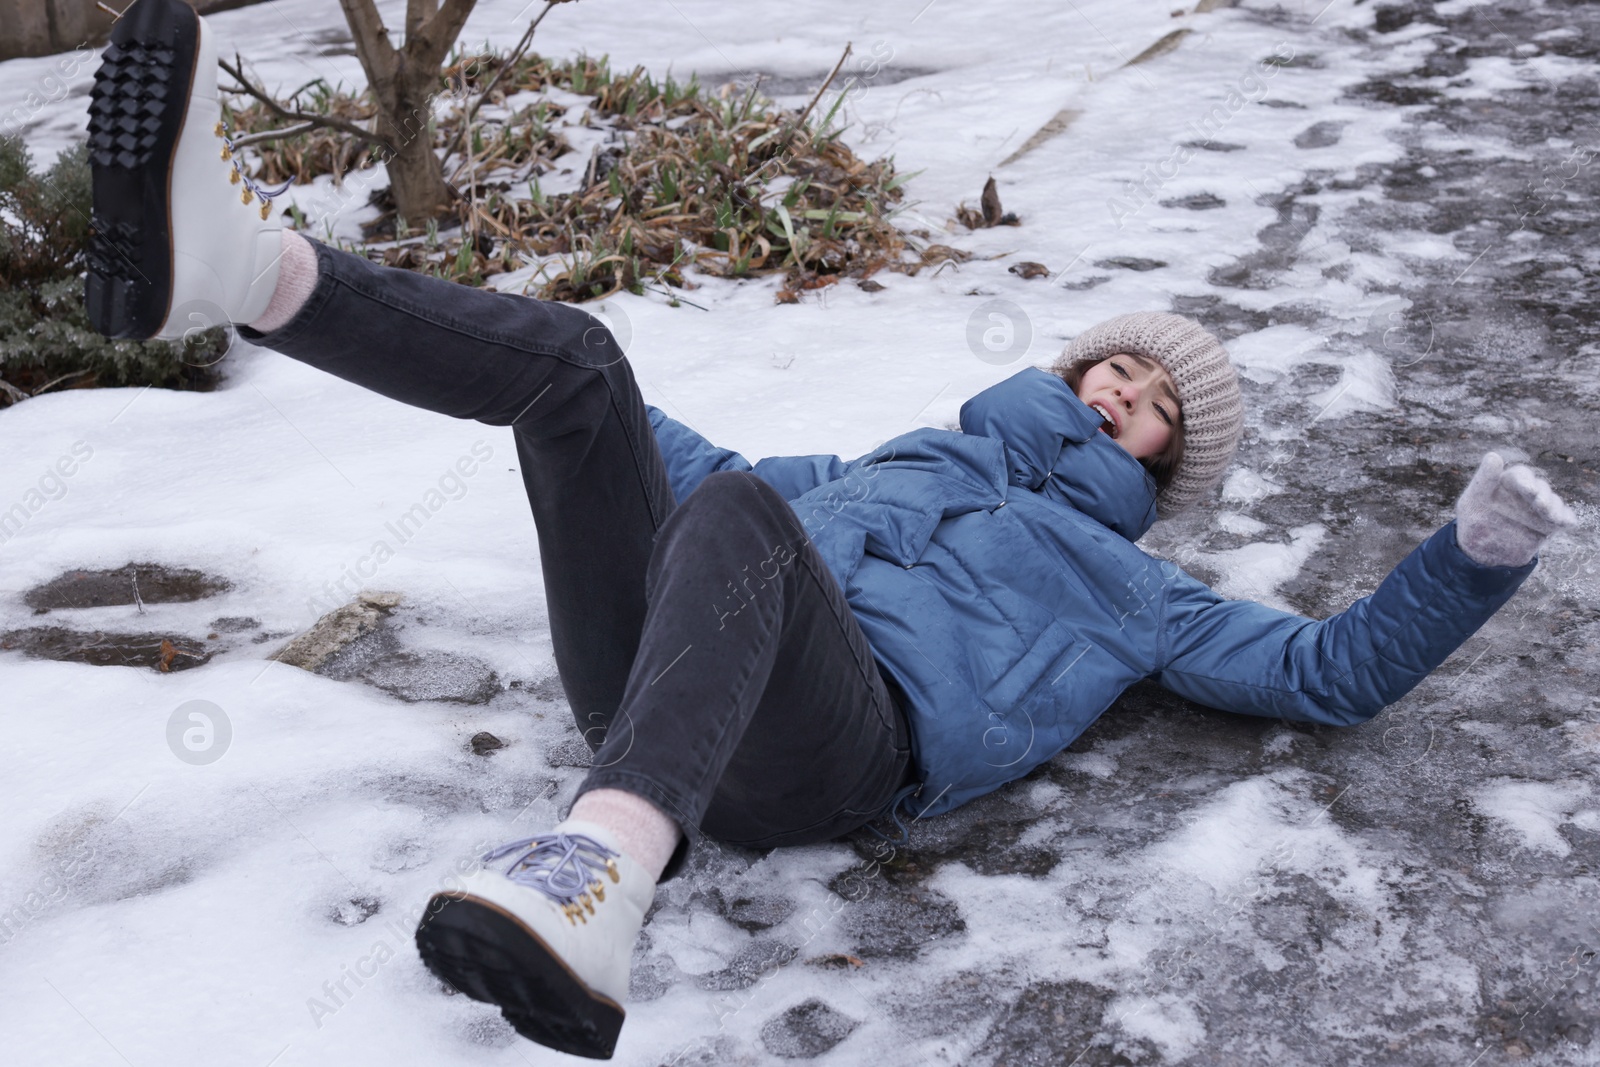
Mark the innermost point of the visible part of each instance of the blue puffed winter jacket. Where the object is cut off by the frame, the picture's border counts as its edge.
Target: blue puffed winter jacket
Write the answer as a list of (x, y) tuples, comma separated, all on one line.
[(995, 576)]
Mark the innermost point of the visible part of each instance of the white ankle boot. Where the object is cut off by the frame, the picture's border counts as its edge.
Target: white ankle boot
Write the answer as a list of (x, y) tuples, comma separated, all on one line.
[(546, 931), (182, 239)]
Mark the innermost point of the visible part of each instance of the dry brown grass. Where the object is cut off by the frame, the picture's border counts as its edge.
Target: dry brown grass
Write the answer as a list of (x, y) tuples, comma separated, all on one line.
[(726, 182)]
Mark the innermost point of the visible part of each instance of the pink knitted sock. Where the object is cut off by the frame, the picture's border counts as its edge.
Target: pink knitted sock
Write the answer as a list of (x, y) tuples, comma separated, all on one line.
[(643, 830), (297, 276)]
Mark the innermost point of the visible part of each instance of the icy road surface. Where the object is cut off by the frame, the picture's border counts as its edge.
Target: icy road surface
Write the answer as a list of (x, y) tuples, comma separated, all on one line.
[(1389, 221)]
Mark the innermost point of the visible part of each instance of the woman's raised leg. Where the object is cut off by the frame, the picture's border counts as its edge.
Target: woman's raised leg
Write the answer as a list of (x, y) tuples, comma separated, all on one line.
[(594, 476)]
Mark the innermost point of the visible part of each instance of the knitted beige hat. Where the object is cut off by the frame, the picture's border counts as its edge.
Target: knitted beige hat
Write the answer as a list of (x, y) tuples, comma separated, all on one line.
[(1208, 390)]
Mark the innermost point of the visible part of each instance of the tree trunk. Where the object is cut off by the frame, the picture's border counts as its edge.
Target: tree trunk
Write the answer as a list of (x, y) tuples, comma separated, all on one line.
[(404, 82), (416, 180), (418, 12)]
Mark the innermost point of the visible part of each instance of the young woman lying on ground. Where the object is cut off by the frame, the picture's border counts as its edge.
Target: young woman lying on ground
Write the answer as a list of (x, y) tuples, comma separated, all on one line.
[(780, 653)]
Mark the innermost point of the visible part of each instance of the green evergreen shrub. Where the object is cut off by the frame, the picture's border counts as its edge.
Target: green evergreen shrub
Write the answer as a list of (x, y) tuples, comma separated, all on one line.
[(46, 341)]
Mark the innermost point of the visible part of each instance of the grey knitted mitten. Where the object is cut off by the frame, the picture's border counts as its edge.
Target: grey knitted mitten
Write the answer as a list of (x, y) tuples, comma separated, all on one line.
[(1506, 513)]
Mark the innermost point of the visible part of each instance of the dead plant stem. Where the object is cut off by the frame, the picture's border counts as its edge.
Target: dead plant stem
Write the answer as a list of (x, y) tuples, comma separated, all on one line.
[(799, 122), (516, 54)]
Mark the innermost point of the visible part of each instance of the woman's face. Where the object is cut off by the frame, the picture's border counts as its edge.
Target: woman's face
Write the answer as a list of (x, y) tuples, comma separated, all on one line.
[(1136, 397)]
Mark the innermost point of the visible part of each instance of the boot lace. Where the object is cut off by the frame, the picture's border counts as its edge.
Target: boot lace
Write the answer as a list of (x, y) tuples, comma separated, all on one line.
[(564, 867), (230, 152)]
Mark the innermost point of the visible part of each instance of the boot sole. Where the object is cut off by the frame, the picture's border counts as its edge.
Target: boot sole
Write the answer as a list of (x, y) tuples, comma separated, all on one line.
[(491, 955), (141, 92)]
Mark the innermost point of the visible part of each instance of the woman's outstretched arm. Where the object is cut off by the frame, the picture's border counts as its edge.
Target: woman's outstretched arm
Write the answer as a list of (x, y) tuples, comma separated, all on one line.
[(1246, 657)]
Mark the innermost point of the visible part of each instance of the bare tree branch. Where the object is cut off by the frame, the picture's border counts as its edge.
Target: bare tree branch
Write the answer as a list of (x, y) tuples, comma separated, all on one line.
[(437, 35), (373, 49), (299, 116), (273, 135), (419, 12)]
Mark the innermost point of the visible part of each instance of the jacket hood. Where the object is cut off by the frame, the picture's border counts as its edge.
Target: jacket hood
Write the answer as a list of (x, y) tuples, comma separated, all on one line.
[(1055, 448)]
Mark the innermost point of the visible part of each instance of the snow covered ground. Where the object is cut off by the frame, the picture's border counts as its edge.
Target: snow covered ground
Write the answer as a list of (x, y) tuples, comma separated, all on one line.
[(1386, 223)]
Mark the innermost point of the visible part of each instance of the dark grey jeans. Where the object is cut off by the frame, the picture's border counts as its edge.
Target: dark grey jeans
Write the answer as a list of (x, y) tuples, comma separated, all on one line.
[(709, 655)]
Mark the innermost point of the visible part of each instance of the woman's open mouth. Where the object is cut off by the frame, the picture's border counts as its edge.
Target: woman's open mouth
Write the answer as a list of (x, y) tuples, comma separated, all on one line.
[(1109, 425)]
